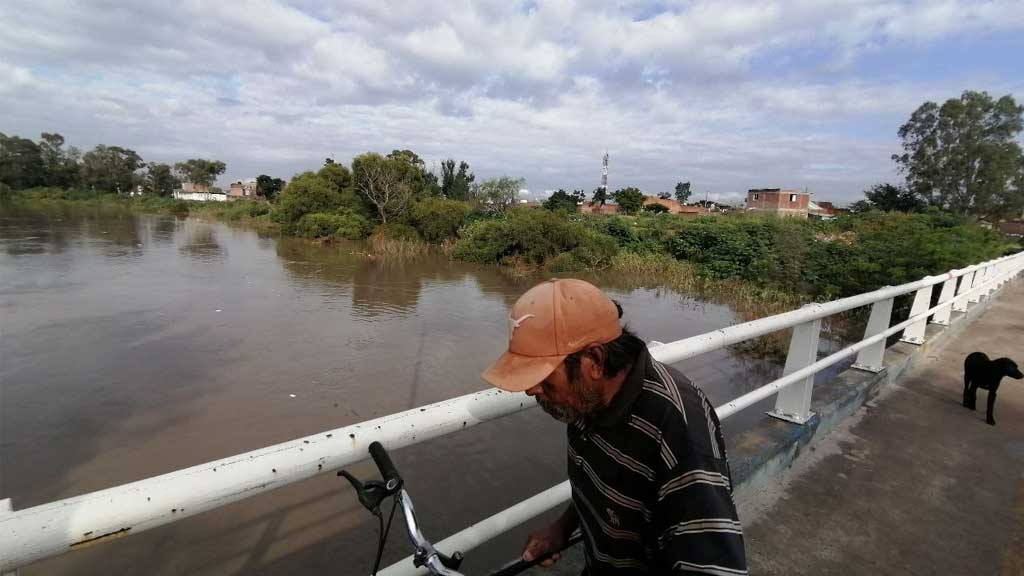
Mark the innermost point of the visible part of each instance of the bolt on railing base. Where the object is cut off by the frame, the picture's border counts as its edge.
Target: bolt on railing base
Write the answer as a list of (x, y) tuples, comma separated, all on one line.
[(790, 417), (866, 368)]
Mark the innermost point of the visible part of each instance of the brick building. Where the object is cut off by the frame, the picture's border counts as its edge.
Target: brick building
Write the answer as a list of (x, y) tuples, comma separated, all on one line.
[(779, 201)]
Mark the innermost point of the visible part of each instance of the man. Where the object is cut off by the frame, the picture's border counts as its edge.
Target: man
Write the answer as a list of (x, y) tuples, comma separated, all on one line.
[(651, 488)]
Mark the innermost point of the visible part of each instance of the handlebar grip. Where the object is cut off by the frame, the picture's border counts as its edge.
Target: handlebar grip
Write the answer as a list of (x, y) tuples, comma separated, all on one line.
[(383, 461)]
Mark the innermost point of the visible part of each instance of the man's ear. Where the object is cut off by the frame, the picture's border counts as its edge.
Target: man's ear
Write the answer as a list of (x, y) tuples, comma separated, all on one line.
[(595, 368)]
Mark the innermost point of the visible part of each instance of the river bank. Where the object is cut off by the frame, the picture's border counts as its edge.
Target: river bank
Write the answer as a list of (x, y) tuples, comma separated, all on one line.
[(755, 265)]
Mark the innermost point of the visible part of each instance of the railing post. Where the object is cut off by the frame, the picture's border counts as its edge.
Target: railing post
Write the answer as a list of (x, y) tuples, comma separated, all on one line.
[(977, 280), (871, 358), (914, 334), (960, 304), (941, 316), (5, 508), (793, 403)]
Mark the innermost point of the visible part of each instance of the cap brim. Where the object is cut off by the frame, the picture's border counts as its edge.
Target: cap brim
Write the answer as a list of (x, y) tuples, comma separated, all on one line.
[(518, 373)]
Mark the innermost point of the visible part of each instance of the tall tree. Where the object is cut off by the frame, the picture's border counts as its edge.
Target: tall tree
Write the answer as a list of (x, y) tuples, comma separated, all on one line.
[(630, 200), (562, 200), (963, 156), (200, 171), (111, 168), (21, 162), (599, 197), (456, 183), (498, 194), (269, 187), (890, 198), (389, 183), (682, 192), (60, 165), (337, 174), (160, 179)]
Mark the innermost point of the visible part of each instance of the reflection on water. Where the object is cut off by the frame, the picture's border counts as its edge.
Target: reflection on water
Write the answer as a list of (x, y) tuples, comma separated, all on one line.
[(136, 345), (201, 244)]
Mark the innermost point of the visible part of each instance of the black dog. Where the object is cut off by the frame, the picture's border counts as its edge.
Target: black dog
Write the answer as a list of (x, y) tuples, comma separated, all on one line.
[(980, 372)]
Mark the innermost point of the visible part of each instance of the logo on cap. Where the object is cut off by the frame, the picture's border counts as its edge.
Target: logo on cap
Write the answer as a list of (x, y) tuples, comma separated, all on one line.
[(514, 323)]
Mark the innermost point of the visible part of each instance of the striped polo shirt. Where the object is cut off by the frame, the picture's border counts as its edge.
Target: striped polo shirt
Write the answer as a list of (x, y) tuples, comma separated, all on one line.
[(651, 483)]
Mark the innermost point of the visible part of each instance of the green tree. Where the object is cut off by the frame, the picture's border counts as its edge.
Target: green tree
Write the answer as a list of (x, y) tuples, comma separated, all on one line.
[(456, 184), (599, 197), (889, 198), (682, 192), (963, 156), (21, 162), (497, 195), (337, 174), (630, 200), (390, 184), (60, 165), (269, 187), (562, 200), (423, 181), (111, 168), (160, 179), (665, 196), (200, 171), (307, 193)]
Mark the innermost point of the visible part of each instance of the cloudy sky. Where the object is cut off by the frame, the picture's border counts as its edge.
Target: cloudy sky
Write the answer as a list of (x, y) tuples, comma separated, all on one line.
[(727, 94)]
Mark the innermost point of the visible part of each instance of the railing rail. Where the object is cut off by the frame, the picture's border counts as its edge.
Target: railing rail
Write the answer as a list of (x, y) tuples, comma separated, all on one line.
[(50, 529)]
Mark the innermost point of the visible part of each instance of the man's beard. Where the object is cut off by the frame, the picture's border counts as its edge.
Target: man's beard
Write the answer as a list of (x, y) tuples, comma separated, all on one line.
[(589, 400)]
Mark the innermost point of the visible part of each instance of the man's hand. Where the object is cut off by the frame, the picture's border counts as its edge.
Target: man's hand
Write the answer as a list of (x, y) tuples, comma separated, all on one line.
[(543, 542)]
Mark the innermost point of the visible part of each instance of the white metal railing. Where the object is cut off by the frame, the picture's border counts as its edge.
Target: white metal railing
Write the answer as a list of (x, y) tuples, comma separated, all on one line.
[(50, 529)]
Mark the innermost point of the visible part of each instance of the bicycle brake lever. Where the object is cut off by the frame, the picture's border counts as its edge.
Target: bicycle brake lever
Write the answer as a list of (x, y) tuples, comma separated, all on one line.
[(370, 493)]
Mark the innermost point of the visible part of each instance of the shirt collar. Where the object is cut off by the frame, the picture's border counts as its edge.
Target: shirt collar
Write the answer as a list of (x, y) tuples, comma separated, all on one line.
[(618, 410)]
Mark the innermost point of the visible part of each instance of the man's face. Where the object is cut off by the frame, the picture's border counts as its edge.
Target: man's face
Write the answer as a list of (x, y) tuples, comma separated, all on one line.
[(568, 400)]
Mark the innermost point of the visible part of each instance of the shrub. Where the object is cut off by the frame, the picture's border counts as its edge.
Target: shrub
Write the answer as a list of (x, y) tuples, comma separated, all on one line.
[(534, 236), (257, 209), (307, 193), (832, 259), (347, 225), (438, 219), (397, 231)]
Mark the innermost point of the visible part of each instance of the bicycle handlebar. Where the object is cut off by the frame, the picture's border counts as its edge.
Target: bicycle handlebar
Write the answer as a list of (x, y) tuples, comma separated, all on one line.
[(426, 555), (384, 464)]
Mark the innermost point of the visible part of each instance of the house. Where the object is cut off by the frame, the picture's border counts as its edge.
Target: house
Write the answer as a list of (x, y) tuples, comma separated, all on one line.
[(675, 207), (198, 193), (672, 206), (193, 188), (243, 189), (1014, 227), (587, 208), (792, 203)]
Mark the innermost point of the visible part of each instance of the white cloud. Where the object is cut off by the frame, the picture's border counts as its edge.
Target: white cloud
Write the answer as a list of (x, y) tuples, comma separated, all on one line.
[(728, 95)]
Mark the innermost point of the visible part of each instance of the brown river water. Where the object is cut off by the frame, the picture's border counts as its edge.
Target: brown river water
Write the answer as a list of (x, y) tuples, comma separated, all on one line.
[(135, 345)]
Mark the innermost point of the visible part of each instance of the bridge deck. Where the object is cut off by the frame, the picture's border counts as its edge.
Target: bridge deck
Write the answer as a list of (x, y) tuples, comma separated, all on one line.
[(918, 484)]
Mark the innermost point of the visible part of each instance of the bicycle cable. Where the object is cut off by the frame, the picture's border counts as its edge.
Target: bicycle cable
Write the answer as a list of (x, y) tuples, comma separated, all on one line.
[(383, 535)]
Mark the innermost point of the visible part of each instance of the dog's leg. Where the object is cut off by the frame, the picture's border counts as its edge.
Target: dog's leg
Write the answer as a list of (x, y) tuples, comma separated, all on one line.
[(967, 390), (991, 408), (972, 396)]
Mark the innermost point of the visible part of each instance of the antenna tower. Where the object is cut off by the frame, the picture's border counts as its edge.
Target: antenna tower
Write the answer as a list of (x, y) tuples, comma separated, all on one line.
[(604, 172)]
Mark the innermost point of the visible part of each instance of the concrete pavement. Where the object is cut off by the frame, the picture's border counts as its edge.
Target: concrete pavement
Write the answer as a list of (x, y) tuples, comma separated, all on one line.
[(914, 484)]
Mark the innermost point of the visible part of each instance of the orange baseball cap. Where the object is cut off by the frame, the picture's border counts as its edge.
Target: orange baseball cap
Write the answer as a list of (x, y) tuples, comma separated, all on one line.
[(550, 321)]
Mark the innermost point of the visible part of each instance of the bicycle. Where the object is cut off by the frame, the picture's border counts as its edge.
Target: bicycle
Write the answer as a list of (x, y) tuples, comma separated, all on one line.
[(373, 492)]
